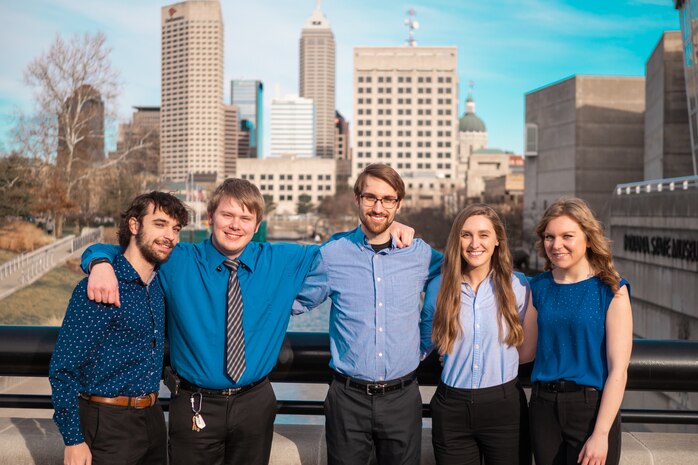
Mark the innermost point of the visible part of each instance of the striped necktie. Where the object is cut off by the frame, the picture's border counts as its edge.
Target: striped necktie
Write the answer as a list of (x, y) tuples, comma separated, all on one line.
[(234, 336)]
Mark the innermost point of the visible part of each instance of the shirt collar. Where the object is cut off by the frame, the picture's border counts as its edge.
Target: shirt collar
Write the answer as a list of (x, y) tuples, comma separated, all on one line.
[(358, 237), (247, 258), (126, 272), (485, 284)]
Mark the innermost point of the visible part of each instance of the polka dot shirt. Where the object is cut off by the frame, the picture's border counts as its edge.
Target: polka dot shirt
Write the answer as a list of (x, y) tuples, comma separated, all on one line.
[(106, 350)]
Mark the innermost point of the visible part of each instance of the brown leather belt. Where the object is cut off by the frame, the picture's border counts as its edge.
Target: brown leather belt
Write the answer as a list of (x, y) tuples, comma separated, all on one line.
[(139, 402)]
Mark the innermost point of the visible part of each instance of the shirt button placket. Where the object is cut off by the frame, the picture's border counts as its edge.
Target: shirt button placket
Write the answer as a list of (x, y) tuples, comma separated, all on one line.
[(380, 320)]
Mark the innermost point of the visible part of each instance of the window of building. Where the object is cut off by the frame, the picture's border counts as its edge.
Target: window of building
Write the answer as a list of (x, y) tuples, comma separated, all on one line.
[(531, 143)]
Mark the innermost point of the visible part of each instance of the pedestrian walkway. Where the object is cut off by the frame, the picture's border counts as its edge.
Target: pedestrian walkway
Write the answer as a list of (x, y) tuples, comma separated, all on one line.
[(23, 270)]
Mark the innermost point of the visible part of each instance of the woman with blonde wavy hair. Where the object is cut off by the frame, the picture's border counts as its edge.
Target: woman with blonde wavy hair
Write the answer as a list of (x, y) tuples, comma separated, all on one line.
[(484, 326), (584, 341)]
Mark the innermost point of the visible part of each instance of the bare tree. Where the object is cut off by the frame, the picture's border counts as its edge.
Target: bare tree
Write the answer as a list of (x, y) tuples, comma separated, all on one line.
[(75, 90)]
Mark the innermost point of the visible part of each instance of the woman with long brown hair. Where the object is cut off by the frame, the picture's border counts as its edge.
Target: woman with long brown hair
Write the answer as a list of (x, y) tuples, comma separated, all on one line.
[(484, 326), (584, 341)]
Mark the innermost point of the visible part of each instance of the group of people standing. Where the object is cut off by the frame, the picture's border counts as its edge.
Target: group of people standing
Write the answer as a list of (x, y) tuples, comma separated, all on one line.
[(228, 301)]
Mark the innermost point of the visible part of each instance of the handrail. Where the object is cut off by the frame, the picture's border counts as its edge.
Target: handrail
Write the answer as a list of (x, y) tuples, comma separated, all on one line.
[(657, 185), (661, 365)]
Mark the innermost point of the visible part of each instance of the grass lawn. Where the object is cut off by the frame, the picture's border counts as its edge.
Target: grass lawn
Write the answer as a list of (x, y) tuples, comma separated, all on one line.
[(44, 302)]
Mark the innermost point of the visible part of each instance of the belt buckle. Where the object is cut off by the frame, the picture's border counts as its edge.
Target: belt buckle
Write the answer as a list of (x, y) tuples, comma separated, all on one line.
[(374, 389), (555, 386), (231, 391)]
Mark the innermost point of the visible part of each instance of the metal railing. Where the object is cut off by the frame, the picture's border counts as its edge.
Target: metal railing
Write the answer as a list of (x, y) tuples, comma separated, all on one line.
[(86, 238), (657, 185), (654, 366)]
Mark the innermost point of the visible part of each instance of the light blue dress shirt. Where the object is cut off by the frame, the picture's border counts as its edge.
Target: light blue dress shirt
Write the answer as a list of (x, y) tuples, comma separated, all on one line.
[(376, 327), (479, 358), (195, 284)]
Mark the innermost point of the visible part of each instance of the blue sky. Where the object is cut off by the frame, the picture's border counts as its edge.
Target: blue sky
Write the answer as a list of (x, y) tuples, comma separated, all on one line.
[(507, 47)]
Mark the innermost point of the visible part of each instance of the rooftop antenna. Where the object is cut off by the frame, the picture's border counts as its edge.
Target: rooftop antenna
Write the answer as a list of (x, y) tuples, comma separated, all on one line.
[(413, 25)]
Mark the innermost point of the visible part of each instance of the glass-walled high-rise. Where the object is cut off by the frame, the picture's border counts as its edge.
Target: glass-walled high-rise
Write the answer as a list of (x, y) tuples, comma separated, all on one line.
[(248, 96), (688, 10)]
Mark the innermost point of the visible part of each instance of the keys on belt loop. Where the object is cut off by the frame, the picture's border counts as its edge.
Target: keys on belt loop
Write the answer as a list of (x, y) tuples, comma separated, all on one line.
[(197, 421)]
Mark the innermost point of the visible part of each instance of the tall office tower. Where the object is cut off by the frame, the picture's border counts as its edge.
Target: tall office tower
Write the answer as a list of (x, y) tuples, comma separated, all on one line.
[(292, 127), (317, 78), (192, 92), (82, 123), (231, 139), (248, 96), (405, 115)]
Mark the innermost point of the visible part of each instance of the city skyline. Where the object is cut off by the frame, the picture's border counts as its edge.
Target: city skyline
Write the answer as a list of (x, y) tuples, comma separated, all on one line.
[(507, 49)]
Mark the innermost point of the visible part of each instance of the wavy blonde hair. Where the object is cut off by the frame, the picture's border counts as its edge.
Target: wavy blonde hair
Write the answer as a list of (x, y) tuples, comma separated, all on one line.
[(599, 251), (446, 326)]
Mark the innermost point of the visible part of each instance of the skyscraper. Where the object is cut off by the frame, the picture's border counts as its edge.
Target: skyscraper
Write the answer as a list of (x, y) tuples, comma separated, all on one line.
[(292, 127), (231, 139), (248, 96), (192, 91), (405, 115), (317, 78)]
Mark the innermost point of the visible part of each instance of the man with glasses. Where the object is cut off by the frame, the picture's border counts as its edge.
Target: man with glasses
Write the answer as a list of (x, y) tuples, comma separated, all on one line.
[(377, 335)]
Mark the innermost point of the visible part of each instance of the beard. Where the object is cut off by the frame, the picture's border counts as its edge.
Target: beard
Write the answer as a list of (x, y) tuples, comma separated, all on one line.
[(151, 255), (376, 228)]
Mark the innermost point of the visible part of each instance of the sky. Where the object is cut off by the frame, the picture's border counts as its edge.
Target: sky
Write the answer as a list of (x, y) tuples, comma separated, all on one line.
[(507, 48)]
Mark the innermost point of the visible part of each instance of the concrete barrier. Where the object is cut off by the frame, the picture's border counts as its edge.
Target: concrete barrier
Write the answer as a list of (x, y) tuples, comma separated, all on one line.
[(36, 441)]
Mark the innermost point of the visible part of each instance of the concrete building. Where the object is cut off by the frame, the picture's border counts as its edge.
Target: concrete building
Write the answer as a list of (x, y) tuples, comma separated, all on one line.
[(192, 137), (507, 188), (284, 180), (667, 142), (405, 107), (584, 135), (144, 128), (292, 127), (248, 96), (484, 164), (688, 12), (317, 78), (654, 229), (232, 129)]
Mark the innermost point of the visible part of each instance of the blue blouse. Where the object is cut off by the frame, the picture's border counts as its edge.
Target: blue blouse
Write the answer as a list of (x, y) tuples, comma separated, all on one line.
[(571, 330)]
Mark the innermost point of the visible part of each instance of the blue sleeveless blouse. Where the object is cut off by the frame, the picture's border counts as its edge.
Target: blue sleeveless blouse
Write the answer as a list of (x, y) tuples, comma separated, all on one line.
[(571, 330)]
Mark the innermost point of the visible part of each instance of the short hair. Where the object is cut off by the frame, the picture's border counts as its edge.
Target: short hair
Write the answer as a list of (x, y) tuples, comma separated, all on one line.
[(384, 173), (139, 207), (243, 191)]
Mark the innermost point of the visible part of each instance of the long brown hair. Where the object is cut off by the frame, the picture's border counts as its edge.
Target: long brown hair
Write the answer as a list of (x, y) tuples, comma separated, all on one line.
[(599, 247), (446, 326)]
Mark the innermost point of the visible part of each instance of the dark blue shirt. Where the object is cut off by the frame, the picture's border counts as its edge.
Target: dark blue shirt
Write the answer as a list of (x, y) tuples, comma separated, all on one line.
[(571, 330), (195, 283), (106, 350)]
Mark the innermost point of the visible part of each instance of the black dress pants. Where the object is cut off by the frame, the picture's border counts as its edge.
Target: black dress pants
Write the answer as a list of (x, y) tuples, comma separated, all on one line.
[(468, 424), (358, 424), (562, 422), (239, 428), (124, 436)]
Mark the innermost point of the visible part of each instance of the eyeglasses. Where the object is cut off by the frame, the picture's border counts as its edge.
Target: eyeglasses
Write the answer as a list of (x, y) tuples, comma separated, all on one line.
[(370, 200)]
